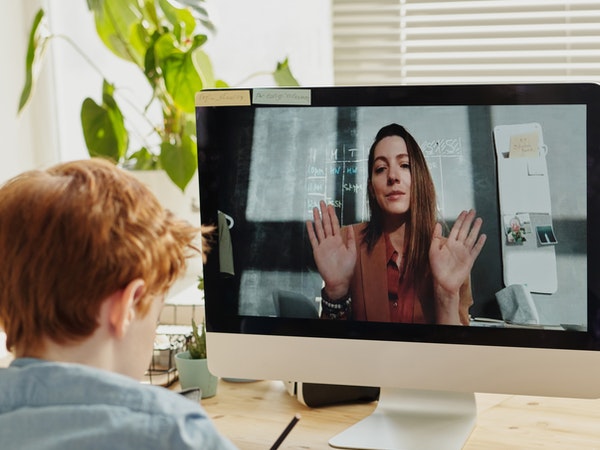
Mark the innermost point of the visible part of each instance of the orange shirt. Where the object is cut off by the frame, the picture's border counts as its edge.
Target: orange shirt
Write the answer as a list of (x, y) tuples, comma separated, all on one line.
[(401, 295)]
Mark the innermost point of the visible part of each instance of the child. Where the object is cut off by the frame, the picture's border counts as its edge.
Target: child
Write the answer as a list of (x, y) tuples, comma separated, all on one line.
[(87, 256)]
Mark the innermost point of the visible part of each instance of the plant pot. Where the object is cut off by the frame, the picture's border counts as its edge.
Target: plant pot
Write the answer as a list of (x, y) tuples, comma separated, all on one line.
[(194, 373)]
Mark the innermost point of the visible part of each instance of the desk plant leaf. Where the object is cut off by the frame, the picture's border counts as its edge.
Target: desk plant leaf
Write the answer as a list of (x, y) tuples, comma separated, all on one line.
[(197, 342), (164, 41)]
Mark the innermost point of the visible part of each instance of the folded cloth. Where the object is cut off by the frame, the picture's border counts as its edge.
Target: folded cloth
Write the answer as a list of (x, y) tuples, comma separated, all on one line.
[(516, 305)]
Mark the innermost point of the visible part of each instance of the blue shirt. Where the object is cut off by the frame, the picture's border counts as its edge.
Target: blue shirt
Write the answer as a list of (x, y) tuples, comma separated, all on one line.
[(47, 405)]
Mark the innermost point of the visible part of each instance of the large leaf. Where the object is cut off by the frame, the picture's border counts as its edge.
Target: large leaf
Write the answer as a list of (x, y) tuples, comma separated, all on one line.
[(200, 13), (104, 127), (181, 19), (204, 68), (35, 48), (116, 118), (179, 160), (182, 81), (283, 75), (143, 159), (150, 14), (121, 25), (150, 66)]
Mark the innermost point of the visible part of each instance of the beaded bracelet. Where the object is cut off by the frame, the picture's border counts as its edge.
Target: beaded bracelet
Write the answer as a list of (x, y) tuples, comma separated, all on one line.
[(338, 309)]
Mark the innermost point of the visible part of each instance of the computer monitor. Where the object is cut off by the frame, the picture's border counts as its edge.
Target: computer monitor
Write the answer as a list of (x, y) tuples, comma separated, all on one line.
[(526, 157)]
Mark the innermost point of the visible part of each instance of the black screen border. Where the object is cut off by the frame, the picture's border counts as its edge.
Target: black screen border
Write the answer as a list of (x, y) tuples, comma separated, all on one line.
[(220, 317)]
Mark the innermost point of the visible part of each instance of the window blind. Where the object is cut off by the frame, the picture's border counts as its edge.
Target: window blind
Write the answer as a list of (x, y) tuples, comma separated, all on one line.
[(471, 41)]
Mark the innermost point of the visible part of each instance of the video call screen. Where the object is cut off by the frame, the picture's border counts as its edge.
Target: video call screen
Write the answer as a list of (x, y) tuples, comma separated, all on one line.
[(522, 165)]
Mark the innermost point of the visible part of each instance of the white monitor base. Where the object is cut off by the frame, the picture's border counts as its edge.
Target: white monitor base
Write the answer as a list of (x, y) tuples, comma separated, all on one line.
[(411, 419)]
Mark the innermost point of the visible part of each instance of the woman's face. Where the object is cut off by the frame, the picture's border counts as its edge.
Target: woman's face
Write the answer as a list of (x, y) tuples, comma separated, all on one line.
[(390, 179)]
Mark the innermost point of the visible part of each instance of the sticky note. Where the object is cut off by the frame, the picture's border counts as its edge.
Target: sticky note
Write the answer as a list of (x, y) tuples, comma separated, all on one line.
[(223, 97), (281, 96), (524, 145)]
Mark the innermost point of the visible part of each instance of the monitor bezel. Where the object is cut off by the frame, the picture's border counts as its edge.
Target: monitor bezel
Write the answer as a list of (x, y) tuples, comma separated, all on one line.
[(222, 320)]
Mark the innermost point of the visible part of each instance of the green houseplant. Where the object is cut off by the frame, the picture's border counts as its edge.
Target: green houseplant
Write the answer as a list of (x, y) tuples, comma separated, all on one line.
[(192, 364), (196, 345), (164, 40)]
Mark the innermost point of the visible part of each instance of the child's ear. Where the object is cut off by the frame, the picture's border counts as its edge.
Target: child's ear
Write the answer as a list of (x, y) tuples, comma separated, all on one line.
[(122, 307)]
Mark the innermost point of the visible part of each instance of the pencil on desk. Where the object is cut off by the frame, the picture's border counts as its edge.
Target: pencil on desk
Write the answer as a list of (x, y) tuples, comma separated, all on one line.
[(285, 432)]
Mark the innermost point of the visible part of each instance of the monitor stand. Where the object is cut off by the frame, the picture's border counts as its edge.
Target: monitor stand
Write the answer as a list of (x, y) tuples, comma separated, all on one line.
[(413, 419)]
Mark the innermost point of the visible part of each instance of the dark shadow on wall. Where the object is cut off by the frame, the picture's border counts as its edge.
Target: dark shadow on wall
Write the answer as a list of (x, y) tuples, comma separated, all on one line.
[(486, 276)]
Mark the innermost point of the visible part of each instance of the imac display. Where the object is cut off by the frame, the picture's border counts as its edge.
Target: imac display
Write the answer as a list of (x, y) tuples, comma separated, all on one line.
[(516, 311)]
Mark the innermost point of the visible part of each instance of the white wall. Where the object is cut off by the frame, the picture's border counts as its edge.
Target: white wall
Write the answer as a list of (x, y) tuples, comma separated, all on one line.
[(253, 35), (28, 140)]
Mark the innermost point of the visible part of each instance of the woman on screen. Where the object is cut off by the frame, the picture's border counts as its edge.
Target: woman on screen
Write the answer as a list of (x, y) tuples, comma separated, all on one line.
[(397, 267)]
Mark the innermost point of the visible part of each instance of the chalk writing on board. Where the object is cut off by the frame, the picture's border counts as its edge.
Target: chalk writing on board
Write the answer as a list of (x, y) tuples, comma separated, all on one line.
[(338, 177), (435, 151), (442, 147)]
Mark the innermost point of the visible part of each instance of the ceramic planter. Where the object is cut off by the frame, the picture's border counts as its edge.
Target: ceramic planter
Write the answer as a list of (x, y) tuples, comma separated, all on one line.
[(194, 373)]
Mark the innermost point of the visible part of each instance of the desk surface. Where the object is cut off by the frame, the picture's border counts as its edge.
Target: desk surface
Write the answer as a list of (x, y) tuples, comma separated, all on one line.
[(253, 414)]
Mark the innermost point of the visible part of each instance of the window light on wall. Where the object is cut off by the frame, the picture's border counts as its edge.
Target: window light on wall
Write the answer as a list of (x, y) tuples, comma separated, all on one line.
[(472, 41)]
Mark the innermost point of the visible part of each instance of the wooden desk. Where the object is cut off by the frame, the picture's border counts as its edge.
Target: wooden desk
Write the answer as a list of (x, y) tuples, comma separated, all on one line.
[(253, 414)]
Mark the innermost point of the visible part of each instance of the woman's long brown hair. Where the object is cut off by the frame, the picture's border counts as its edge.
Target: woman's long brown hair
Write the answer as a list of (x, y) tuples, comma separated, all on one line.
[(422, 212)]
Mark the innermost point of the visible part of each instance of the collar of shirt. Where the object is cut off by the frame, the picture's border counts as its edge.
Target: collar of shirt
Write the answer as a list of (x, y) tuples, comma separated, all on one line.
[(391, 254)]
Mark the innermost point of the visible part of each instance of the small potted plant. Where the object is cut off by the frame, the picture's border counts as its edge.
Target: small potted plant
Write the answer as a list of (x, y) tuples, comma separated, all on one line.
[(192, 364)]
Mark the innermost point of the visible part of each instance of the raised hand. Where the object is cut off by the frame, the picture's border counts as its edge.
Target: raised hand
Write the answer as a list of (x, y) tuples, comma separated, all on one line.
[(335, 258), (451, 259)]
